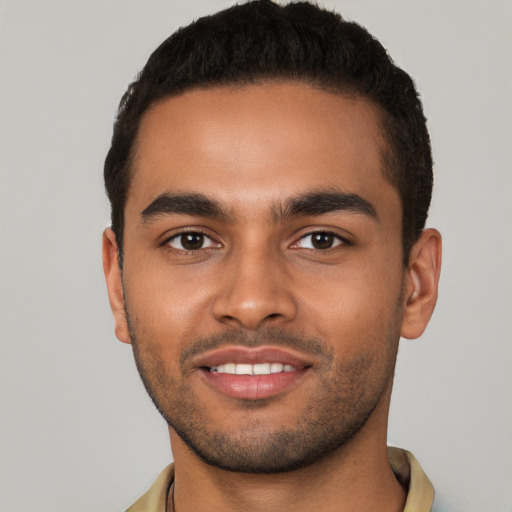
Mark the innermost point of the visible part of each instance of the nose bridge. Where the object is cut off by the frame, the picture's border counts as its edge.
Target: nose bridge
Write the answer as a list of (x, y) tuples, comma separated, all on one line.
[(254, 287)]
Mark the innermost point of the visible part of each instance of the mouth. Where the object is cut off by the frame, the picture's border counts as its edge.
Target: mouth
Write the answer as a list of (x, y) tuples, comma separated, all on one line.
[(252, 373), (252, 369)]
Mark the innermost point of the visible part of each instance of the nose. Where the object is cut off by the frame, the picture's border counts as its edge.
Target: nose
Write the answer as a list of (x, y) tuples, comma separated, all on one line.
[(254, 290)]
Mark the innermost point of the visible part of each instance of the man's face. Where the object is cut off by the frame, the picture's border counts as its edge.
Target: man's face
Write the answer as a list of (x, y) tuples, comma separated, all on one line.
[(261, 237)]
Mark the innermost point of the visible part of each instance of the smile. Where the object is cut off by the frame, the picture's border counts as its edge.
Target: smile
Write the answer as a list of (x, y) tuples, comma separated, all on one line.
[(252, 373), (252, 369)]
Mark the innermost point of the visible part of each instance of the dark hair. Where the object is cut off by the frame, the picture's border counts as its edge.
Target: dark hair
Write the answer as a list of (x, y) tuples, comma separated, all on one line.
[(259, 42)]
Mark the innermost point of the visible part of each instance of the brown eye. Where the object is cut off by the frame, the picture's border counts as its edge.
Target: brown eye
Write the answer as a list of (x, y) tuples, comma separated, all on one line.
[(191, 241), (321, 240)]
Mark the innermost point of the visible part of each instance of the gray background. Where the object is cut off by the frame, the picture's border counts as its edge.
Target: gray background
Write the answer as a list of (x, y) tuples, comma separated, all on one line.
[(77, 431)]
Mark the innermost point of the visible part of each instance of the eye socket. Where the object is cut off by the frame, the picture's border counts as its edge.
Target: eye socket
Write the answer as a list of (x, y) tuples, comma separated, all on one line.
[(320, 241), (191, 241)]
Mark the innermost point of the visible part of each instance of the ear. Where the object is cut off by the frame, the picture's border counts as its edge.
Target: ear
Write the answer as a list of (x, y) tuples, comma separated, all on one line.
[(421, 284), (115, 285)]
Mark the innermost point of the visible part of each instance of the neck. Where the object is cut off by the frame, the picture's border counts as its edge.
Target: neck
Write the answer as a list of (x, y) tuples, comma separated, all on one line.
[(357, 476)]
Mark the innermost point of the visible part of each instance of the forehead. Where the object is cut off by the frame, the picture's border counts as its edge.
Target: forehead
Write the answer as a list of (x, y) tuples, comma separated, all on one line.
[(255, 144)]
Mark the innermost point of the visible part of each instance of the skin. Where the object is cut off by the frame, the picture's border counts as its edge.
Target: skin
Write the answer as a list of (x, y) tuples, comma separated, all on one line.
[(257, 280)]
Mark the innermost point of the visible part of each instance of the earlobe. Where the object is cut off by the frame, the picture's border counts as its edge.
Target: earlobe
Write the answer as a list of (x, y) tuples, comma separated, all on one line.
[(421, 284), (115, 285)]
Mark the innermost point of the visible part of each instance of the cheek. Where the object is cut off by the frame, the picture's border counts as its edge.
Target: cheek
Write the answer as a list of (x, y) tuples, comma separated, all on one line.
[(350, 308), (166, 308)]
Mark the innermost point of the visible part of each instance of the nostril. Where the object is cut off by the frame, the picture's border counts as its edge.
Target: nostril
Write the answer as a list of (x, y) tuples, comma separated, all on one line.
[(249, 305)]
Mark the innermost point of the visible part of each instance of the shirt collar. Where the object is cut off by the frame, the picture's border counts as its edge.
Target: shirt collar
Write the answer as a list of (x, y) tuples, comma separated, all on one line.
[(420, 492)]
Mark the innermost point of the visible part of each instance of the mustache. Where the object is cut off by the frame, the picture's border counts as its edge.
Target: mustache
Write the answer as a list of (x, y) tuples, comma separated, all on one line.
[(268, 336)]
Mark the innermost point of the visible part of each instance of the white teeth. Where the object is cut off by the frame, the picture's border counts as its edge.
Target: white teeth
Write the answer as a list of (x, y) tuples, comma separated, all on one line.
[(228, 368), (276, 368), (261, 369), (244, 369), (253, 369)]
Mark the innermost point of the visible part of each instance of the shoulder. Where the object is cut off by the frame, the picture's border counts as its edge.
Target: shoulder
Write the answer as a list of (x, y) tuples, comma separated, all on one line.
[(420, 491), (155, 498)]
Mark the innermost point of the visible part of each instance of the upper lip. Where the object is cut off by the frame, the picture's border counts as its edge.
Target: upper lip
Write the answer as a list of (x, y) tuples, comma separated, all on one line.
[(246, 355)]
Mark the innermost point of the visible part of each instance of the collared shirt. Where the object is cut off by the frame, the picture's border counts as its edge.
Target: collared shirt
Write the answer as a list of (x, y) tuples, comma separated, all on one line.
[(420, 492)]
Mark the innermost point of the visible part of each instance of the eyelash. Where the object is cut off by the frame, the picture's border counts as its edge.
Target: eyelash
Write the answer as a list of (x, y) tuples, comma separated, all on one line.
[(336, 236), (176, 236), (341, 241)]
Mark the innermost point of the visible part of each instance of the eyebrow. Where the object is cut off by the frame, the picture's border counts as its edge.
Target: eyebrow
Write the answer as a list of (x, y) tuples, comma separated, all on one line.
[(313, 203), (323, 202), (185, 204)]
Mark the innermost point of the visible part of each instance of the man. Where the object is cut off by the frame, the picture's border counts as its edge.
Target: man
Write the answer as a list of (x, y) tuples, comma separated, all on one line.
[(270, 175)]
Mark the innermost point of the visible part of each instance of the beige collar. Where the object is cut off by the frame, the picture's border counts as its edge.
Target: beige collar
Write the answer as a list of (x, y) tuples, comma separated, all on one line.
[(420, 495)]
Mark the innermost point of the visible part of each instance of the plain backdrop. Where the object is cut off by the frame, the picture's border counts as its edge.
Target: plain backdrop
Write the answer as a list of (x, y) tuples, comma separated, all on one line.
[(77, 430)]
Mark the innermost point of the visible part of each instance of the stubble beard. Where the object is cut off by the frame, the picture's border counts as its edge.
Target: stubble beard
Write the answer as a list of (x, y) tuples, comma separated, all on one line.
[(347, 395)]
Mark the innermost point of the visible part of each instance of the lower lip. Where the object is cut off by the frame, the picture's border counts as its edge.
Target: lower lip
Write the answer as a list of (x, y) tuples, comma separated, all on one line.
[(253, 387)]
